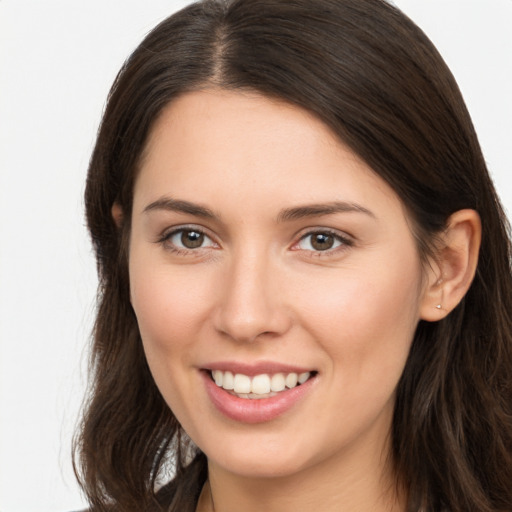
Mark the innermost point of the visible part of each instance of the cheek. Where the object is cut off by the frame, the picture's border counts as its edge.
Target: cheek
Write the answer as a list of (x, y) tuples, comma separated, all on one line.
[(366, 319), (169, 303), (170, 308), (364, 323)]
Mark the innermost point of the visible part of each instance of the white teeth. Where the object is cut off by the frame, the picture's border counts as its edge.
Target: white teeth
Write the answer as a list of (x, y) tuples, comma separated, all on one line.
[(260, 386), (303, 377), (242, 384), (291, 380), (277, 383), (228, 382), (218, 377)]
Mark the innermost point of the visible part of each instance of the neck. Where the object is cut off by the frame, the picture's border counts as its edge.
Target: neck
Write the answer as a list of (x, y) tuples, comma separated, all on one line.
[(330, 486)]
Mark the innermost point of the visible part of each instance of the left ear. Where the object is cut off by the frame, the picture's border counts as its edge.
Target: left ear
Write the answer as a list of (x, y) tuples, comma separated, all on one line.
[(453, 268)]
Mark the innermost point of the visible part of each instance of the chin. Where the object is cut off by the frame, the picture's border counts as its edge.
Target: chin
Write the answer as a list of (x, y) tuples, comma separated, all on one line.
[(259, 469), (261, 460)]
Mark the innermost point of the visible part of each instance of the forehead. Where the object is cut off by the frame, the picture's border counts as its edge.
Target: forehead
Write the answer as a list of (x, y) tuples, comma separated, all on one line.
[(242, 144), (218, 118)]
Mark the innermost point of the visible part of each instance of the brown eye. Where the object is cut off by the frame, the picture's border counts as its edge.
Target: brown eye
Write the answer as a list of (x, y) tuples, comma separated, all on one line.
[(322, 241), (188, 239), (192, 239)]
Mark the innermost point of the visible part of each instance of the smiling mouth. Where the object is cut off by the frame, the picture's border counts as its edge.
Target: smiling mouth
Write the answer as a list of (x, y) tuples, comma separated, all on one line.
[(260, 386)]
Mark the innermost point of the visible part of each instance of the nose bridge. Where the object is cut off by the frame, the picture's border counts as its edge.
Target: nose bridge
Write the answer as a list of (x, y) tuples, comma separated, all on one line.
[(250, 303)]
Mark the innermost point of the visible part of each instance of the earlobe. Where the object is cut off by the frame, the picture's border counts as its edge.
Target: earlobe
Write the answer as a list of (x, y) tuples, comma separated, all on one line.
[(455, 265), (117, 214)]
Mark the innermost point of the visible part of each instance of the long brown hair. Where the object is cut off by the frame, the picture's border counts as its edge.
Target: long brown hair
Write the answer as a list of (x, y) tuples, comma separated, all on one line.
[(370, 74)]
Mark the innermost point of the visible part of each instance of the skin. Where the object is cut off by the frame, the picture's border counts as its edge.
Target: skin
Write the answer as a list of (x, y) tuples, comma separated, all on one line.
[(257, 290)]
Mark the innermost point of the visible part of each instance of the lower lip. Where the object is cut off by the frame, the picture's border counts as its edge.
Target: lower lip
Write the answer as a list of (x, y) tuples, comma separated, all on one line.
[(258, 410)]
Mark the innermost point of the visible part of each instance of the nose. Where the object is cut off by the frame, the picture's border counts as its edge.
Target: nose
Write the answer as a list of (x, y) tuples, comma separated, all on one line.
[(251, 301)]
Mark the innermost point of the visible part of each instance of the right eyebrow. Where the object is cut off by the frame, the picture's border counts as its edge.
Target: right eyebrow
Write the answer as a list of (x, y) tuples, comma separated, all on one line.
[(178, 205)]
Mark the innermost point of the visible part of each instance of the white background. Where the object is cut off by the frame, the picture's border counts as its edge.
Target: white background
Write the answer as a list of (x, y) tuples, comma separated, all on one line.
[(57, 61)]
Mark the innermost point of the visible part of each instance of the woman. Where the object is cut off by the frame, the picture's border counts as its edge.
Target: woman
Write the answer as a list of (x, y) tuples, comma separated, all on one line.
[(304, 272)]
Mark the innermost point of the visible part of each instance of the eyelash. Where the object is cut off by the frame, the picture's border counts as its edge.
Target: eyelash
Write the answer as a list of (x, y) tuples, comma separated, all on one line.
[(344, 242), (166, 237)]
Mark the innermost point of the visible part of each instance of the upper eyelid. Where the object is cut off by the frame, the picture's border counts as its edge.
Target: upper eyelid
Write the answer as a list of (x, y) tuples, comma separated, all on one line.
[(186, 227), (332, 231)]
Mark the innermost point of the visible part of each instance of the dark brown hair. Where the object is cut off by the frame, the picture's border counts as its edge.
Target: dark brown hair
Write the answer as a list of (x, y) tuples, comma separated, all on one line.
[(370, 74)]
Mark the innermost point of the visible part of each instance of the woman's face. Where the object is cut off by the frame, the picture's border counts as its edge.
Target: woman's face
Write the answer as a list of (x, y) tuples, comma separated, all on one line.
[(263, 250)]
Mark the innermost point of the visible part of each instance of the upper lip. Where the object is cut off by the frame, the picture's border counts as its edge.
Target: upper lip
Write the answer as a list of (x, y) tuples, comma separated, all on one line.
[(253, 369)]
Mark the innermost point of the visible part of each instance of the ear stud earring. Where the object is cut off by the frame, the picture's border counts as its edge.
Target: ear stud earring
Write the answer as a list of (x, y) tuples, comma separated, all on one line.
[(438, 306)]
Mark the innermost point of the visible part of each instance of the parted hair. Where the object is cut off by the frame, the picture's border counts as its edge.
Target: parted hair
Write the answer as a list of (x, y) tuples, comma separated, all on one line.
[(370, 74)]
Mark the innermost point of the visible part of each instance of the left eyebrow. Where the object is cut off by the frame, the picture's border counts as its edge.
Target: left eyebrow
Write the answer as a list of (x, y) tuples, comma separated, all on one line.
[(317, 210)]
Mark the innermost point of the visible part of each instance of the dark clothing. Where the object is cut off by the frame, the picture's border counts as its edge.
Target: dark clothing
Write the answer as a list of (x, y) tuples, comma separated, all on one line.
[(185, 487), (182, 493)]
